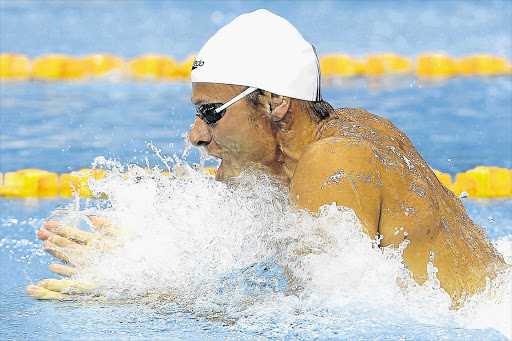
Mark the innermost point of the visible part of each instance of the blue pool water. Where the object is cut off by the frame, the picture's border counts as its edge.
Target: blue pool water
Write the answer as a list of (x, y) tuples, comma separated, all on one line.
[(63, 126), (467, 120)]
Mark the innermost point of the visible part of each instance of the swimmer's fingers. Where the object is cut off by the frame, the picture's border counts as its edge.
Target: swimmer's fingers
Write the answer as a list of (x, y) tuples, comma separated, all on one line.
[(60, 290), (71, 252), (63, 270), (68, 232), (45, 294), (108, 228), (57, 239), (103, 225), (66, 286), (55, 252), (67, 255)]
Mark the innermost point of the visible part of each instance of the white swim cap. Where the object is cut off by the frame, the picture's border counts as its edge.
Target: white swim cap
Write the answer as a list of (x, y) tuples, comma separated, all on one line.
[(262, 50)]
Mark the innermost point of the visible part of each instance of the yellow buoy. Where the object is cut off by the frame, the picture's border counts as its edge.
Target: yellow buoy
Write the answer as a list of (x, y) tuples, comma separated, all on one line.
[(76, 182), (75, 68), (340, 65), (386, 63), (154, 66), (57, 66), (13, 65), (49, 66), (436, 65), (484, 182), (483, 64), (100, 64), (30, 183)]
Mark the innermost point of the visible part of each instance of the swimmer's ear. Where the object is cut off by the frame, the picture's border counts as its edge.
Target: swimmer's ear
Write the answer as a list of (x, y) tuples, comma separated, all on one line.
[(280, 110), (275, 106)]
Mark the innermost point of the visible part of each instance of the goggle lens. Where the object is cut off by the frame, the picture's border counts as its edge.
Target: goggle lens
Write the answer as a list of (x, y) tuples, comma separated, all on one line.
[(208, 113)]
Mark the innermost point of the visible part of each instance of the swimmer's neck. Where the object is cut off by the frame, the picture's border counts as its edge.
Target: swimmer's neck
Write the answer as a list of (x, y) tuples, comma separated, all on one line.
[(295, 132)]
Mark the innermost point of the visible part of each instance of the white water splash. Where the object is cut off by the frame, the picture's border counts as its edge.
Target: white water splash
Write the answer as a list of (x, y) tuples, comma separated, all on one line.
[(241, 254)]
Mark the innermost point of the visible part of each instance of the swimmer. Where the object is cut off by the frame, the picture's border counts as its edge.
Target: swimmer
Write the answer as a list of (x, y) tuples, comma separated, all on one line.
[(256, 90)]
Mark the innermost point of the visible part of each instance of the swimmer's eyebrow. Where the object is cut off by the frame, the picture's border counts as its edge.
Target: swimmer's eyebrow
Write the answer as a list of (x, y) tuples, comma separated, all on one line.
[(198, 103)]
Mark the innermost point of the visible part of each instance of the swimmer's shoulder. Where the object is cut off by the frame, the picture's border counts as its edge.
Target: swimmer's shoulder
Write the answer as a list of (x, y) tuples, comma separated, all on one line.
[(333, 170), (349, 161), (357, 125), (344, 137), (338, 152)]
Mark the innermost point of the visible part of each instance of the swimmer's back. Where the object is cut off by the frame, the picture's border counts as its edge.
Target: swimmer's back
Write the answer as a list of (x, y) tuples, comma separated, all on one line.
[(369, 165)]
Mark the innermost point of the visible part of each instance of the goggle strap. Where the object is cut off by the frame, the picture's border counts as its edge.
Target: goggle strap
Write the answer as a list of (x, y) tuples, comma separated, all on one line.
[(236, 99)]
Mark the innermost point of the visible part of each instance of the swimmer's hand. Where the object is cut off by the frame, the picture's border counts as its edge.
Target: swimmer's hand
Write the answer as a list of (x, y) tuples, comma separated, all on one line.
[(77, 247)]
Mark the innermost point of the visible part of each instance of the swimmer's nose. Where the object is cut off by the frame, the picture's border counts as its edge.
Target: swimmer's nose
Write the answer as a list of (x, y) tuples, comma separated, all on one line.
[(200, 134)]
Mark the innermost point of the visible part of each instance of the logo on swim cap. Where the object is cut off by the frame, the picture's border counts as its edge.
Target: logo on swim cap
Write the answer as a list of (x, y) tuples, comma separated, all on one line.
[(197, 63)]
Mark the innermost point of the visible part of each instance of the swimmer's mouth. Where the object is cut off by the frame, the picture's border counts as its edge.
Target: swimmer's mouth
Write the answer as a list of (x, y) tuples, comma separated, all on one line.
[(218, 170)]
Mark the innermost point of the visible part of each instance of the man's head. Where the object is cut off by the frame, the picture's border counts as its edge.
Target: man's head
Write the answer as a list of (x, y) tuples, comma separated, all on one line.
[(249, 81)]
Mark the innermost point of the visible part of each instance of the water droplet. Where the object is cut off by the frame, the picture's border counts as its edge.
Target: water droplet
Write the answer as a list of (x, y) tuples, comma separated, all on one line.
[(449, 160), (463, 195), (490, 219)]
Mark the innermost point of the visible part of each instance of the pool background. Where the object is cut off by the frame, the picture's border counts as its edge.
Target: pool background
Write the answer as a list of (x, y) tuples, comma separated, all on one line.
[(111, 118), (62, 126)]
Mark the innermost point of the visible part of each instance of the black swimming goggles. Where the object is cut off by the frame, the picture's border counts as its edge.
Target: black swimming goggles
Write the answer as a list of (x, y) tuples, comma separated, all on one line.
[(211, 113)]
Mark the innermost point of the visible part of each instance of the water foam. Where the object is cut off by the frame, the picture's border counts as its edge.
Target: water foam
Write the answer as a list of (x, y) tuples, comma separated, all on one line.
[(240, 254)]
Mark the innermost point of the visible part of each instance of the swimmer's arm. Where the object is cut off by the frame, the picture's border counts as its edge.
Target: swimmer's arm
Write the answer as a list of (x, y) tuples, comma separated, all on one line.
[(329, 171)]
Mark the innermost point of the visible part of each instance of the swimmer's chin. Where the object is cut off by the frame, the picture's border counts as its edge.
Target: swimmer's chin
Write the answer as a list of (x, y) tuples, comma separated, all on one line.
[(225, 172)]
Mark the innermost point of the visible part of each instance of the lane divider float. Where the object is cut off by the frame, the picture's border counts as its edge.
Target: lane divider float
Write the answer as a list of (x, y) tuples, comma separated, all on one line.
[(57, 66), (480, 182), (15, 66), (41, 183)]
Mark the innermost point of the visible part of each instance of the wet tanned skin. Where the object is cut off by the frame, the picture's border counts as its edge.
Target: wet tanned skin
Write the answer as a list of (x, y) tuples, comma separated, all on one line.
[(360, 161)]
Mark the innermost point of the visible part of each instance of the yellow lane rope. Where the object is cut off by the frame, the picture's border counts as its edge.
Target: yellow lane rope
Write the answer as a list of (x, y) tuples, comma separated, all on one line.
[(480, 182), (41, 183), (15, 66)]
